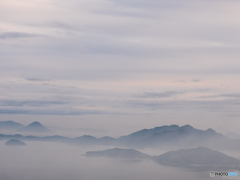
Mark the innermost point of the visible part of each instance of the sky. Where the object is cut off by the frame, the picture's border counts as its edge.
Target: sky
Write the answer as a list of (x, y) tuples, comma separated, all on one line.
[(121, 65)]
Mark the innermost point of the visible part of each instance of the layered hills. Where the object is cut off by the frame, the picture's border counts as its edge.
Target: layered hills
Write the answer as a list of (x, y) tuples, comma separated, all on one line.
[(33, 127), (163, 137), (197, 158)]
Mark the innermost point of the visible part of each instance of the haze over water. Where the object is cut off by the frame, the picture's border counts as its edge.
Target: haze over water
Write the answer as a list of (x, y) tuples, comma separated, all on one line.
[(57, 161)]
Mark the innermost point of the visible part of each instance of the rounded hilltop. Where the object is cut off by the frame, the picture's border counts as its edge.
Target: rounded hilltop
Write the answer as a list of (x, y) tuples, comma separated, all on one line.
[(15, 142)]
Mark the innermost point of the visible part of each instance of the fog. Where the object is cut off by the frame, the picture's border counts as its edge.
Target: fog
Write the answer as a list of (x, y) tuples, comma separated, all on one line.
[(89, 69), (58, 161)]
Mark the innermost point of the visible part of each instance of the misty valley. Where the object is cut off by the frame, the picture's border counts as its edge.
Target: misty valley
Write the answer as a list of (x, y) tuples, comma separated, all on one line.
[(165, 152)]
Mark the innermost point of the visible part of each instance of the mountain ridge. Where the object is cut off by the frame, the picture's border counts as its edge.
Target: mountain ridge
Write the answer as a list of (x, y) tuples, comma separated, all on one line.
[(163, 137), (172, 135), (10, 125)]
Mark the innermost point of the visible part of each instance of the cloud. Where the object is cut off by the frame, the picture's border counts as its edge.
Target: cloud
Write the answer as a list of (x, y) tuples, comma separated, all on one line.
[(197, 80), (37, 79), (180, 81), (236, 95), (30, 103), (227, 107), (16, 35), (124, 56), (55, 24), (151, 4), (61, 25), (161, 94), (47, 112)]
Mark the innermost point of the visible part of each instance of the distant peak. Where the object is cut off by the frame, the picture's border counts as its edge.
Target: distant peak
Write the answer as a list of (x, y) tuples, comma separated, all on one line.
[(211, 131), (174, 125), (87, 136), (35, 126), (187, 127), (35, 123), (166, 126), (202, 147)]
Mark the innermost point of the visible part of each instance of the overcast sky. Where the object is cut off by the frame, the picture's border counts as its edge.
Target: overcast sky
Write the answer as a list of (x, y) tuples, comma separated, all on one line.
[(121, 65)]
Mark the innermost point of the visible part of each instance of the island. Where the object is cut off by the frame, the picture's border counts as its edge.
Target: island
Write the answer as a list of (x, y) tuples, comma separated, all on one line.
[(15, 142)]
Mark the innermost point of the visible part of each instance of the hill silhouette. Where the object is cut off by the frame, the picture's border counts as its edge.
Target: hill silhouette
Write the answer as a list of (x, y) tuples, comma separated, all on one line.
[(198, 158), (15, 142), (118, 153), (35, 127), (10, 125), (170, 136)]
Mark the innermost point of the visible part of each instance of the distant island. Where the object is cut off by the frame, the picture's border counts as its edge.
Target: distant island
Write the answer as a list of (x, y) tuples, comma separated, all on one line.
[(32, 127), (163, 137), (198, 158), (15, 142), (118, 153)]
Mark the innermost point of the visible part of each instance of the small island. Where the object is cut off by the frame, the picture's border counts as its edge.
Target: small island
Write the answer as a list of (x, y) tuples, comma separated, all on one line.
[(200, 158), (15, 142), (118, 153)]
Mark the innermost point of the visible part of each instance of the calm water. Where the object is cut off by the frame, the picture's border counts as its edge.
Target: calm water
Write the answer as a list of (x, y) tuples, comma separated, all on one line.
[(56, 161)]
